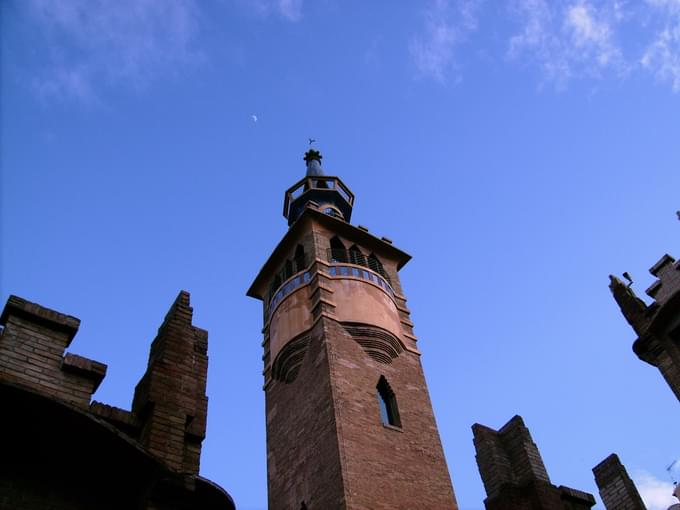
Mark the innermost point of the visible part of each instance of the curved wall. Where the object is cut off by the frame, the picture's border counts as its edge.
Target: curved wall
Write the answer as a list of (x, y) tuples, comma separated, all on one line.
[(361, 302), (292, 317)]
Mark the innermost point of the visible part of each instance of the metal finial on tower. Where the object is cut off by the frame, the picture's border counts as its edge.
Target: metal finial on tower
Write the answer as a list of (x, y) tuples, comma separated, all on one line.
[(313, 160)]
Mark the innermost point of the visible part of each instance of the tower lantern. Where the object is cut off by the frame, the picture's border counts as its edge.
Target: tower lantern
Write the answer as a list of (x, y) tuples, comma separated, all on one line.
[(327, 193), (349, 419)]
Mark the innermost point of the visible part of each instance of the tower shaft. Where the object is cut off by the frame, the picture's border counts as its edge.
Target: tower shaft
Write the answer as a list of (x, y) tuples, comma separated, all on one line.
[(349, 419)]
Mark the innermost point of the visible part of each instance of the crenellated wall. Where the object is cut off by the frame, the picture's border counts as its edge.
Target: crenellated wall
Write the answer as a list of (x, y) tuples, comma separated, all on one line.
[(657, 325), (514, 475), (61, 450)]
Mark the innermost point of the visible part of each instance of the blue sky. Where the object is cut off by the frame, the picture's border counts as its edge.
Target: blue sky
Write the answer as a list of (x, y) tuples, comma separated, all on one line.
[(520, 150)]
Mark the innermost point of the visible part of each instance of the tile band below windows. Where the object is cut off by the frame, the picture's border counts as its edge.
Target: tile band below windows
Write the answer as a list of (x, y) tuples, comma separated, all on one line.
[(288, 287), (360, 272)]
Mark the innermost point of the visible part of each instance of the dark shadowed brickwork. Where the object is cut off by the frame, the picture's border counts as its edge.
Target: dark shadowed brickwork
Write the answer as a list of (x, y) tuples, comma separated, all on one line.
[(62, 452), (616, 488), (514, 475), (657, 325)]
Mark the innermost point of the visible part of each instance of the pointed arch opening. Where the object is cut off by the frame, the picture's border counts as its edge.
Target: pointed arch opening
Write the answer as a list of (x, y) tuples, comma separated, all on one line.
[(276, 283), (387, 402), (356, 256), (375, 264), (287, 269), (299, 259), (338, 252)]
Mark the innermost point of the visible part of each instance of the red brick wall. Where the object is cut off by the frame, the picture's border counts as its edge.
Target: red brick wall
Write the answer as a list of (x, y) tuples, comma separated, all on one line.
[(384, 467), (303, 460)]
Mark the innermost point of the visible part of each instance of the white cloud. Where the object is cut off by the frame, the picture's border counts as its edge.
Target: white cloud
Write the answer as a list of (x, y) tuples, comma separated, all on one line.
[(568, 39), (447, 24), (662, 56), (540, 38), (671, 5), (92, 43), (656, 494), (589, 34)]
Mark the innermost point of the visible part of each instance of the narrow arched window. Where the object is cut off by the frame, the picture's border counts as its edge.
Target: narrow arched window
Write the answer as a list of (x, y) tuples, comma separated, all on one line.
[(287, 269), (299, 260), (356, 257), (338, 252), (375, 264), (387, 401), (276, 283)]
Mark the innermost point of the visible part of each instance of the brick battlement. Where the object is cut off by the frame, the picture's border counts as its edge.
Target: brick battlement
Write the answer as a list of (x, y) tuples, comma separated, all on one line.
[(514, 475), (32, 354), (40, 315), (169, 410), (616, 488), (667, 271)]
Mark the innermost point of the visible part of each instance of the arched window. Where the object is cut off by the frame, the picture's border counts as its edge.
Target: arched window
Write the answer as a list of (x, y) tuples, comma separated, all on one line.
[(332, 211), (299, 260), (338, 252), (387, 401), (303, 506), (356, 257), (375, 264), (287, 269), (276, 283)]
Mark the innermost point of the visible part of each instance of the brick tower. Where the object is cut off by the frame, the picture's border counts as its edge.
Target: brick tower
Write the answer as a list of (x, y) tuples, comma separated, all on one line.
[(349, 419)]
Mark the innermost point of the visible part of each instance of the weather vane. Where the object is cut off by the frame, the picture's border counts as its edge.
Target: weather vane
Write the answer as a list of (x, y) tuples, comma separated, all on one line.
[(311, 141)]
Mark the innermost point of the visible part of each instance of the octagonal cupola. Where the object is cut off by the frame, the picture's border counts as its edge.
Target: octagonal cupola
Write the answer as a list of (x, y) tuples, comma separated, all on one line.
[(327, 193)]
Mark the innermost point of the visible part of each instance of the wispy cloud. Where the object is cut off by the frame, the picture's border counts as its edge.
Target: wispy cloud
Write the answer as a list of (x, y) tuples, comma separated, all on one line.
[(662, 56), (568, 39), (290, 10), (447, 24), (591, 34), (96, 43), (656, 494)]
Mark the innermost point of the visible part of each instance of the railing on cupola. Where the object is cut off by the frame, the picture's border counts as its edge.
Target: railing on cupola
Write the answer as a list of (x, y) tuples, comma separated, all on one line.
[(329, 192)]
